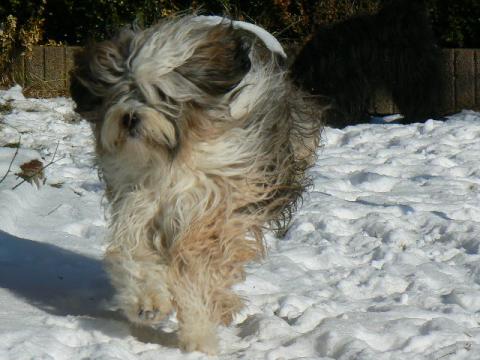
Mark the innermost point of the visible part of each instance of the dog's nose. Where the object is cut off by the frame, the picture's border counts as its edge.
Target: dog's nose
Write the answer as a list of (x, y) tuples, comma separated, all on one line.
[(130, 122)]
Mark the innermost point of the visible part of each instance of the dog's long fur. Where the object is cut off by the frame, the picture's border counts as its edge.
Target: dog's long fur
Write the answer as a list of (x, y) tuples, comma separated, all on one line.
[(201, 141), (393, 50)]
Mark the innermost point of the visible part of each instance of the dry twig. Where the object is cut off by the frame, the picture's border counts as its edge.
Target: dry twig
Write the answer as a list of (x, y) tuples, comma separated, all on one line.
[(11, 162)]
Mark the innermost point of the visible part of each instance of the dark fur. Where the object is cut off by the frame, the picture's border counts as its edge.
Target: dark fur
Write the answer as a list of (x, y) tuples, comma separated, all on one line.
[(393, 50), (220, 64)]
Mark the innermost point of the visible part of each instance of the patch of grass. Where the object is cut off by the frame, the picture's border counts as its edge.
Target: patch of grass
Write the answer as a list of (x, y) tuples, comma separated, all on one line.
[(6, 108), (14, 145), (42, 91)]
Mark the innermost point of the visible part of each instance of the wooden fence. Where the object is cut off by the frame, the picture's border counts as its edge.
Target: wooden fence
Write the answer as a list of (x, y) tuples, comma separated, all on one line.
[(46, 73), (461, 71)]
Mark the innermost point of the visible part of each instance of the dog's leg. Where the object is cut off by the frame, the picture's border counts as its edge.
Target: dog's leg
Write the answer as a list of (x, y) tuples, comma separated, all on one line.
[(202, 303), (195, 311), (141, 286), (205, 263)]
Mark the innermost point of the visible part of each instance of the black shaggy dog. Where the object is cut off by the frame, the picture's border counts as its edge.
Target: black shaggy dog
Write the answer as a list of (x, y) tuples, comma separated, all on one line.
[(393, 50)]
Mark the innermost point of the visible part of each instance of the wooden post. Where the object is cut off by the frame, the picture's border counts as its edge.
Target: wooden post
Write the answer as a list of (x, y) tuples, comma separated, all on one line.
[(447, 100), (35, 67), (476, 55), (54, 69), (18, 70), (464, 79)]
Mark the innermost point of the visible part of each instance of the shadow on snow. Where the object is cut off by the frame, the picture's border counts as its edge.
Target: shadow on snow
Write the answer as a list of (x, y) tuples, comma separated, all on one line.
[(62, 282)]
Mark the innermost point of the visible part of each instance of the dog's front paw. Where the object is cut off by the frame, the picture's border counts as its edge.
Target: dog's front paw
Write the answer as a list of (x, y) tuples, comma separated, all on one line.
[(150, 315), (204, 341), (147, 309)]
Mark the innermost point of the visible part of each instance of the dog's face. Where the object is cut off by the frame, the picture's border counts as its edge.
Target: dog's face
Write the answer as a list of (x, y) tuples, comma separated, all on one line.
[(148, 91)]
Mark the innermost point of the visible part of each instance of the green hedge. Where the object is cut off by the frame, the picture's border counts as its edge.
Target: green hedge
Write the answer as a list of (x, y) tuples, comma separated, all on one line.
[(456, 23), (76, 21)]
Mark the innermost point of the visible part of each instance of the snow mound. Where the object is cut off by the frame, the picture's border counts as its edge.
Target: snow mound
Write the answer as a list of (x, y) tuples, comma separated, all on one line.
[(382, 261)]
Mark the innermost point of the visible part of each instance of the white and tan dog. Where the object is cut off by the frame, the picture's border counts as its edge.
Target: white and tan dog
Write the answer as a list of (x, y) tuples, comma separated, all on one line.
[(202, 142)]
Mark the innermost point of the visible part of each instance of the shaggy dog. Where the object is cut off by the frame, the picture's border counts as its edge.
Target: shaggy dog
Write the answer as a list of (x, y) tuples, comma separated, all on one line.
[(201, 141), (393, 50)]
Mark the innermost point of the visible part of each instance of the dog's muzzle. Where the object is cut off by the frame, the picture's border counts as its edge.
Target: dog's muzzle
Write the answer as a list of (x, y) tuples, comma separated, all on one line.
[(130, 123)]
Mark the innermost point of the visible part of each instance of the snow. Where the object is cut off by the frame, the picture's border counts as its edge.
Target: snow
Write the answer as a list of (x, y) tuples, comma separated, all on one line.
[(382, 260)]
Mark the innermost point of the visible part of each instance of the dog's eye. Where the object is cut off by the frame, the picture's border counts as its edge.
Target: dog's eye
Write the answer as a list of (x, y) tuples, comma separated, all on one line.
[(126, 120), (161, 95)]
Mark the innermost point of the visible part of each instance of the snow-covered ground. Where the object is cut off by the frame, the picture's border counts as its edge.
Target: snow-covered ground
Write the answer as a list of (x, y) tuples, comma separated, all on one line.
[(381, 262)]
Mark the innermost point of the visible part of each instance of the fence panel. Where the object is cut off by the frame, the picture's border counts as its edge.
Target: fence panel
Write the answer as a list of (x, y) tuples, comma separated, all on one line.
[(55, 77), (464, 78)]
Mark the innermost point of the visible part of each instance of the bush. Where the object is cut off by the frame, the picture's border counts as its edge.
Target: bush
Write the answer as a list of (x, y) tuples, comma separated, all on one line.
[(21, 27), (456, 23), (74, 22)]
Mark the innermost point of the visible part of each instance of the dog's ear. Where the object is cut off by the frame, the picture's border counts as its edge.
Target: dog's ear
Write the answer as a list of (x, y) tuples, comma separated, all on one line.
[(220, 62), (86, 102), (97, 68)]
